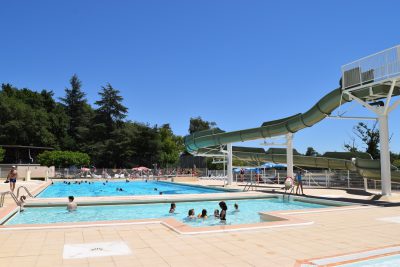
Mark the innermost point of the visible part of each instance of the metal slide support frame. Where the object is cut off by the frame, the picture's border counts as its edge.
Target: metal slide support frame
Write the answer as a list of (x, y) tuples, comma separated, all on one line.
[(385, 155), (383, 114), (289, 154)]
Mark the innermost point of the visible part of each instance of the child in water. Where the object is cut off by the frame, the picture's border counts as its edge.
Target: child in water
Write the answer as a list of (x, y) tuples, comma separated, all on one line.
[(236, 206), (172, 208), (191, 214), (203, 214), (216, 213)]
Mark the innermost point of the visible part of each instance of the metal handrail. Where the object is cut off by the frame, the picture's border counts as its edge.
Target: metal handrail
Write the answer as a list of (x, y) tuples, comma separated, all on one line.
[(26, 190), (3, 194), (249, 185)]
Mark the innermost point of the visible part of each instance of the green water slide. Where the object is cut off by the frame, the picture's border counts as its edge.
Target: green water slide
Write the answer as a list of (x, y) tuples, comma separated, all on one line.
[(205, 141), (363, 164)]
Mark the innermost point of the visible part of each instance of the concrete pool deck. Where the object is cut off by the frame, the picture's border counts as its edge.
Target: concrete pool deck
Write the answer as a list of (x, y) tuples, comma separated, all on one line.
[(331, 233)]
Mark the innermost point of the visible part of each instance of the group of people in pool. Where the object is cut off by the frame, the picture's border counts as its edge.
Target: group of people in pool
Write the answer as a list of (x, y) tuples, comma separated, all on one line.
[(221, 215), (76, 182), (119, 189), (203, 215)]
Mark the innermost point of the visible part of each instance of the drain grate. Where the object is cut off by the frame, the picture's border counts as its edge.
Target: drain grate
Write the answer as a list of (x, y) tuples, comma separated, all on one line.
[(89, 250)]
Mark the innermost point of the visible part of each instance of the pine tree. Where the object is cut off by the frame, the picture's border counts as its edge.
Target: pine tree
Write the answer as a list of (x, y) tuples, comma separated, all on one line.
[(79, 112), (111, 112)]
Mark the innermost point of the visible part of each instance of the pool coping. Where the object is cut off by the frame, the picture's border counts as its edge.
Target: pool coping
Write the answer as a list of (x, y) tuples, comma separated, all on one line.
[(354, 257), (280, 218)]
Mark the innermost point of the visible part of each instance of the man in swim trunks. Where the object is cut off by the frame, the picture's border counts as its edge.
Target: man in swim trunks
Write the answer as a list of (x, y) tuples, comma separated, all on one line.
[(71, 206), (12, 177)]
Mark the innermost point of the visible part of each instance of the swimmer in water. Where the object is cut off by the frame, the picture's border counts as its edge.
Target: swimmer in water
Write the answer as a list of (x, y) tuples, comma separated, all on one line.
[(172, 208)]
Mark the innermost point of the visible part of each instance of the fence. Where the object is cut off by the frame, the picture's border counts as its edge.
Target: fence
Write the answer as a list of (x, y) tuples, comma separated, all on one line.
[(311, 178), (74, 173), (377, 67)]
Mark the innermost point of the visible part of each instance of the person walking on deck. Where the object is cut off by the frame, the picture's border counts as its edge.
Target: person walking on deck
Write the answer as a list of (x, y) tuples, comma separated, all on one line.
[(12, 178)]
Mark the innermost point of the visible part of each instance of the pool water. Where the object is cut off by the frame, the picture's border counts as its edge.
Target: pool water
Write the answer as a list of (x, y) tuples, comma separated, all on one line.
[(248, 212), (388, 261), (99, 188)]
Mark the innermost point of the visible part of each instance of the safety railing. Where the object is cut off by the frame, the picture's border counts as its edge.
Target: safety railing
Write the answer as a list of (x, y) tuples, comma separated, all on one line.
[(250, 185), (372, 184), (3, 195), (371, 69), (26, 190)]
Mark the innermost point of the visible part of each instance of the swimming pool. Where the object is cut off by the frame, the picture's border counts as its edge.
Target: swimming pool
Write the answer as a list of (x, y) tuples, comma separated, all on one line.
[(99, 188), (248, 212), (378, 262)]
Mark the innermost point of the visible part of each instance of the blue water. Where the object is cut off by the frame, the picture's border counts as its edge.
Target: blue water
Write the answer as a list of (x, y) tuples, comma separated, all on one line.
[(248, 212), (388, 261), (97, 189)]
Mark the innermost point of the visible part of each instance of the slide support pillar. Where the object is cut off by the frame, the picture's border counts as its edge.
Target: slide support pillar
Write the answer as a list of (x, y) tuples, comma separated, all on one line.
[(289, 154), (385, 154), (230, 164), (383, 114)]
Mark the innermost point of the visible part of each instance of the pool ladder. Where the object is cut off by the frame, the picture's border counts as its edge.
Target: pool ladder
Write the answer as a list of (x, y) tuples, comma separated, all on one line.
[(3, 194), (249, 185), (26, 190), (15, 197)]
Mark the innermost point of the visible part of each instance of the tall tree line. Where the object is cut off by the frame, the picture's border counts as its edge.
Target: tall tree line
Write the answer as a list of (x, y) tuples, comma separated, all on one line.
[(35, 118)]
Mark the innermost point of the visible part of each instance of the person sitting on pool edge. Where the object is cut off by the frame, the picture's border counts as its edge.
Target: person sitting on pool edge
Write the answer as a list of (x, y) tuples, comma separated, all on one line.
[(71, 206), (22, 203), (224, 208), (203, 214), (191, 214), (172, 208)]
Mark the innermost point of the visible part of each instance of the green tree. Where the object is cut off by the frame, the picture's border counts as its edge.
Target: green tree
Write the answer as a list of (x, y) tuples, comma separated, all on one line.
[(171, 146), (79, 113), (110, 111), (116, 150), (351, 146), (311, 152), (198, 124), (396, 163), (30, 118), (63, 158), (2, 154), (370, 137), (146, 145), (395, 159)]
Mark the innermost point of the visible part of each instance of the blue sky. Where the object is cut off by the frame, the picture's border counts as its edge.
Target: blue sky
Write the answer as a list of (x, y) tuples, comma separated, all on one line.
[(237, 63)]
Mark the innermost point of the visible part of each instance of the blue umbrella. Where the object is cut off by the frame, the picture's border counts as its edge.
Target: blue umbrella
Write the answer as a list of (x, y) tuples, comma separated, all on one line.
[(269, 165), (280, 165), (236, 170)]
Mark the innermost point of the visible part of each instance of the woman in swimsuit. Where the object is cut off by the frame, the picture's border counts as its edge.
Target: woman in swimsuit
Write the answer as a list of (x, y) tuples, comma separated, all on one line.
[(224, 208)]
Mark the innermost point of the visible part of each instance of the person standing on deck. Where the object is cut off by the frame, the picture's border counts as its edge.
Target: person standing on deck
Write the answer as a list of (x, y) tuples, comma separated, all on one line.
[(12, 178), (241, 175), (299, 183)]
